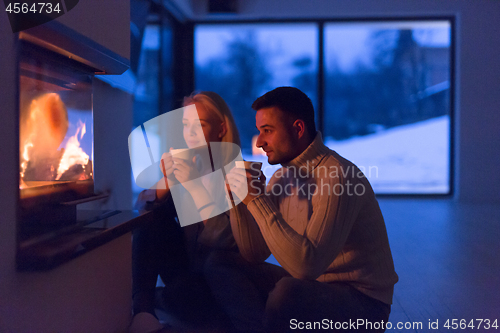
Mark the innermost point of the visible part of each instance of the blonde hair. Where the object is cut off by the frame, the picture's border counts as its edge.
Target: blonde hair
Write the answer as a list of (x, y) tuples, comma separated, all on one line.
[(216, 104)]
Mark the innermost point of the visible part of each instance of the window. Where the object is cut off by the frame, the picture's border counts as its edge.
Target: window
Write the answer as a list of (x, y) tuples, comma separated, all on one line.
[(241, 62), (384, 90), (147, 90), (387, 109)]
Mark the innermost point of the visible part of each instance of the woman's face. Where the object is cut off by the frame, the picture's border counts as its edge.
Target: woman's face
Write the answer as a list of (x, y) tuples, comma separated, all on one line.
[(202, 127)]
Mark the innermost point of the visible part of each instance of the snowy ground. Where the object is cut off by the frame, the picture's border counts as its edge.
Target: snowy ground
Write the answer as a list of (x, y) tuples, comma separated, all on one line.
[(410, 159)]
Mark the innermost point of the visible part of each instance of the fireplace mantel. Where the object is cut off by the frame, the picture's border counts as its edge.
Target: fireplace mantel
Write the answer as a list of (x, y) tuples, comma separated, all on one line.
[(60, 39)]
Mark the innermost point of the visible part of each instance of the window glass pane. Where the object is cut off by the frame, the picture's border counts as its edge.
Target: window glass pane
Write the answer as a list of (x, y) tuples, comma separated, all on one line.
[(147, 90), (241, 62), (167, 66), (387, 102)]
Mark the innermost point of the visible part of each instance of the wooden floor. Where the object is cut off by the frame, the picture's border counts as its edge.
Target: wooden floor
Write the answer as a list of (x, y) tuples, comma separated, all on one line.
[(447, 257)]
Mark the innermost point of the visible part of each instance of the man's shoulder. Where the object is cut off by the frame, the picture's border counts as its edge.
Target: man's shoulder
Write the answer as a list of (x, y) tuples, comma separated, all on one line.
[(331, 159), (334, 158), (336, 165)]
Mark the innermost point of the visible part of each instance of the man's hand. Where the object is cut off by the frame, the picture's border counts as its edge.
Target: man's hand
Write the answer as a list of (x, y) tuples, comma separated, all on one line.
[(246, 184)]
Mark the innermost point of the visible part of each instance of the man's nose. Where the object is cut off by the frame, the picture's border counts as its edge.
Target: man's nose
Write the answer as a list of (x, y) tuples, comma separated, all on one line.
[(260, 142)]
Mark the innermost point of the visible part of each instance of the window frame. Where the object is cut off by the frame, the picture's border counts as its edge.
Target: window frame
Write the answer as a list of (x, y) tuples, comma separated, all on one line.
[(320, 23)]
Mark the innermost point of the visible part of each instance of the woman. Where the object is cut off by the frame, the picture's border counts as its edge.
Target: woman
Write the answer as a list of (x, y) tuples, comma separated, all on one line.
[(178, 254)]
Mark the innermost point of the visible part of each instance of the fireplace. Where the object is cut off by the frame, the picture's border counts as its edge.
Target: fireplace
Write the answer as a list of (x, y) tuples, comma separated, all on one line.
[(56, 69), (55, 140)]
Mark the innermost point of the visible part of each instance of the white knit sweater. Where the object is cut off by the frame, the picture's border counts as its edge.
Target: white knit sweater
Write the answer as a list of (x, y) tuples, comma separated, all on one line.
[(335, 234)]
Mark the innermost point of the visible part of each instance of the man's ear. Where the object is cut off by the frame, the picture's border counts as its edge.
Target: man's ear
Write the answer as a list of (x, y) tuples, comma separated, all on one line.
[(300, 128), (223, 129)]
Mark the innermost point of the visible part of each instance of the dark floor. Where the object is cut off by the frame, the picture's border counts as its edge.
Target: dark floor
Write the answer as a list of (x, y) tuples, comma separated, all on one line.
[(447, 257)]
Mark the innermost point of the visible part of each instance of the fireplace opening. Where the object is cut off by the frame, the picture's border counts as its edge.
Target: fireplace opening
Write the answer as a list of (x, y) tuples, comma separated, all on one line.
[(55, 140)]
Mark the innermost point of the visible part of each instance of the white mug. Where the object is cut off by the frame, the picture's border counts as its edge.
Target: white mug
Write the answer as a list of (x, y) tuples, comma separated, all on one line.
[(248, 165)]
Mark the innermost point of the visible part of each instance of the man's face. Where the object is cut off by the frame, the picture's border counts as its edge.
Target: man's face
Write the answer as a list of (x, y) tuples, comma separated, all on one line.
[(276, 135)]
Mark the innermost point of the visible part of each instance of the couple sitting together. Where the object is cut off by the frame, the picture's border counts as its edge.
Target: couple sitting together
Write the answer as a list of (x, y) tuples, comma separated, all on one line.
[(331, 242)]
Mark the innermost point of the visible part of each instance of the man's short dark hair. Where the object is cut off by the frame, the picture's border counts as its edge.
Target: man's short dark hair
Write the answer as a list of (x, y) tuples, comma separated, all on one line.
[(291, 101)]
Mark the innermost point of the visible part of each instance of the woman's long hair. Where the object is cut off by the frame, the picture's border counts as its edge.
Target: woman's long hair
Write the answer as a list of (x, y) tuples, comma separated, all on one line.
[(216, 104)]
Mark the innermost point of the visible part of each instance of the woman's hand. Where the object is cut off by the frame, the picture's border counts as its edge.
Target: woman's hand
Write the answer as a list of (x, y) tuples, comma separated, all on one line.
[(167, 169), (167, 164), (186, 173)]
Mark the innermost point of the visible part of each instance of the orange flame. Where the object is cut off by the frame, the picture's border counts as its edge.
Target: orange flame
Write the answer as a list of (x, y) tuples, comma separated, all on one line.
[(43, 130), (26, 157), (73, 153)]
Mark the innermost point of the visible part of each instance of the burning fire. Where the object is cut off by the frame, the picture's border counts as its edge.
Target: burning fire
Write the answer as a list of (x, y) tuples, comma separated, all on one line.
[(26, 157), (42, 132), (73, 153)]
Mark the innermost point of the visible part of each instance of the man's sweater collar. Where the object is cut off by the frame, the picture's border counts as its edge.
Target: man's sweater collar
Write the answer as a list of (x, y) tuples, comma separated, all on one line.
[(311, 156)]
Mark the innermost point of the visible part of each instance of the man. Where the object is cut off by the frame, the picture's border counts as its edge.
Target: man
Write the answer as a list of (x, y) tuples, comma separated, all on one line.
[(319, 218)]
